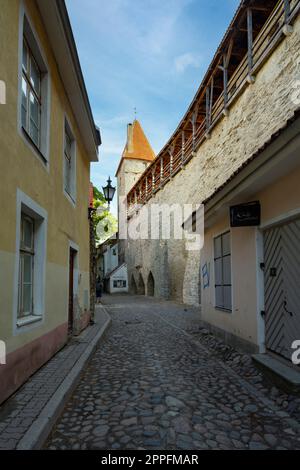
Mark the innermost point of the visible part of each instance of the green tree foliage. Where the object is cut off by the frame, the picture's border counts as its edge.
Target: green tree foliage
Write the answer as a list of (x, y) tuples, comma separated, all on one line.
[(105, 223)]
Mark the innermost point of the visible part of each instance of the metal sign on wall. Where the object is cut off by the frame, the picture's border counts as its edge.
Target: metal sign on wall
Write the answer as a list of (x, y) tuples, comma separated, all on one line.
[(245, 215)]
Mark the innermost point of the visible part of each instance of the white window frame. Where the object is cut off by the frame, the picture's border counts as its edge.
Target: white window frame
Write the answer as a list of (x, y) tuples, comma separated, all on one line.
[(29, 207), (71, 196), (27, 31), (31, 92), (218, 307), (26, 251)]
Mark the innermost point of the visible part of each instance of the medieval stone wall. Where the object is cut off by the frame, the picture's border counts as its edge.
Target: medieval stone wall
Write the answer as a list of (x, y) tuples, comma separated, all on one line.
[(257, 114)]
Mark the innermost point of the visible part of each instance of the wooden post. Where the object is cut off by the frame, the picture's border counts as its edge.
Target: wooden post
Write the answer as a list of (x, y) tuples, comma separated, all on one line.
[(207, 109), (171, 153), (225, 80), (194, 130), (194, 122), (182, 147), (146, 186), (211, 99), (250, 77), (209, 104), (153, 178), (224, 68), (161, 170)]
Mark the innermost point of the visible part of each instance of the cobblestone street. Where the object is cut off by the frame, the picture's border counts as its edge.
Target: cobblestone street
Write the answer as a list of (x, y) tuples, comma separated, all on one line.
[(154, 383)]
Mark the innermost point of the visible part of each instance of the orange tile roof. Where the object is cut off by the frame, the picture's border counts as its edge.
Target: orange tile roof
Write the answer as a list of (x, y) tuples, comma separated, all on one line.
[(139, 147)]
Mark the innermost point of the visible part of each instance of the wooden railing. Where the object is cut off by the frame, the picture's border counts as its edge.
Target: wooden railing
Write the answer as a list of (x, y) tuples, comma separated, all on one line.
[(266, 40)]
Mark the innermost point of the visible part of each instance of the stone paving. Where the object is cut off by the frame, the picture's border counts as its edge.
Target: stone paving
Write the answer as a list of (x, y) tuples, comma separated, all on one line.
[(19, 412), (151, 385)]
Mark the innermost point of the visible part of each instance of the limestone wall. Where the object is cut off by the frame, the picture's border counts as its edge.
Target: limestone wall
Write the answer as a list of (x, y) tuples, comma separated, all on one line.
[(259, 112)]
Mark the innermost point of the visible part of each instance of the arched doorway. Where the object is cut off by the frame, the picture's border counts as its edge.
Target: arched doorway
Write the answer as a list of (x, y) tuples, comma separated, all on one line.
[(133, 286), (141, 286), (150, 285)]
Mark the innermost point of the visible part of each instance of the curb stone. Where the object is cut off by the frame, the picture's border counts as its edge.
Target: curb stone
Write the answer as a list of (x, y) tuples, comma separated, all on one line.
[(36, 435)]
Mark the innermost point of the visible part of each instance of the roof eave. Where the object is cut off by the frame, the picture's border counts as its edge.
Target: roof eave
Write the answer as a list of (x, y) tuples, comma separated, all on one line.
[(57, 24)]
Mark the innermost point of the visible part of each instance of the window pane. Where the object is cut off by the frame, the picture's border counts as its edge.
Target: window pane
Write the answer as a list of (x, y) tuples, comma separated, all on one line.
[(27, 273), (68, 145), (226, 244), (20, 295), (227, 298), (24, 104), (217, 247), (227, 270), (27, 299), (35, 76), (25, 57), (218, 272), (219, 296), (34, 109), (28, 233), (67, 175), (34, 133)]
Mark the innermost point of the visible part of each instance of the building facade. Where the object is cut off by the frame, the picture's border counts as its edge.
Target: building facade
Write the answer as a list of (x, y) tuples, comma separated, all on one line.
[(241, 132), (47, 140)]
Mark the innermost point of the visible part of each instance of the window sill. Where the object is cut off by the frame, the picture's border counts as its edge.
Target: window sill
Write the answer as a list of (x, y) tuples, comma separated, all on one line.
[(70, 198), (224, 310), (33, 144), (28, 320)]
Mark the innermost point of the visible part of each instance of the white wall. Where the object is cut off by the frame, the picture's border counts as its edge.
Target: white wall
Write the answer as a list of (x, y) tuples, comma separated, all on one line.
[(119, 275)]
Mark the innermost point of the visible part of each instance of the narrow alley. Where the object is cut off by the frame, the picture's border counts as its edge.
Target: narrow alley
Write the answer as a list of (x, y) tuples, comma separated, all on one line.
[(154, 382)]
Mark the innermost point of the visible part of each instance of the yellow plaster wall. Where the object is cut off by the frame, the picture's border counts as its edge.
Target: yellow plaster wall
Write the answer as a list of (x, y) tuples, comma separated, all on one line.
[(21, 168), (278, 200)]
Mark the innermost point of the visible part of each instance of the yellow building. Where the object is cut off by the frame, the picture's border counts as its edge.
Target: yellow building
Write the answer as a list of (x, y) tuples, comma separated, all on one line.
[(47, 140)]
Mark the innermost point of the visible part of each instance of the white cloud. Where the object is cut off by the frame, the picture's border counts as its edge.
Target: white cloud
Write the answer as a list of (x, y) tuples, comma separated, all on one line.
[(187, 60)]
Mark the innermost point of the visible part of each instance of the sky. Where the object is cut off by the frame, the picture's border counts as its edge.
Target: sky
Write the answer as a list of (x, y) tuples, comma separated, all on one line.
[(145, 54)]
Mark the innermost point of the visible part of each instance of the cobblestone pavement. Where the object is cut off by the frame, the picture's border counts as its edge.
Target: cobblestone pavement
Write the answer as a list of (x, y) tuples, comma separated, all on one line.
[(152, 385), (20, 411)]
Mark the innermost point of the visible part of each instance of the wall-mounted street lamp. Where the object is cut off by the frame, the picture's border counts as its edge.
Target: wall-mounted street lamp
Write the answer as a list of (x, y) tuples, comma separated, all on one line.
[(109, 192)]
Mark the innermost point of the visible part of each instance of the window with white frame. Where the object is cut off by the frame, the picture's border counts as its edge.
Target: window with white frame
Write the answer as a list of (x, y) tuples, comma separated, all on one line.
[(31, 96), (69, 163), (31, 249), (222, 265), (34, 88), (26, 267), (119, 283)]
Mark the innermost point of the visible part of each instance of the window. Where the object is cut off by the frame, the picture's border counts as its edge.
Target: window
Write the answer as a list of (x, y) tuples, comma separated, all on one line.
[(34, 86), (30, 267), (119, 283), (222, 263), (31, 96), (69, 163), (26, 268)]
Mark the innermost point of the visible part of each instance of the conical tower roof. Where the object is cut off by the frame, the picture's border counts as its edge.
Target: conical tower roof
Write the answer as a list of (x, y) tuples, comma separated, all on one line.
[(137, 146)]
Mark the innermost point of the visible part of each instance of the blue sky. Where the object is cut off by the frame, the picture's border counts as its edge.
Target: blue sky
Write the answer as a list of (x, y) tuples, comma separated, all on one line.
[(148, 54)]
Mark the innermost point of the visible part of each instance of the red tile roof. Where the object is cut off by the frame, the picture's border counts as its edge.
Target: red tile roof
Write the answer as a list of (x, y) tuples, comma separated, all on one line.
[(139, 148)]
